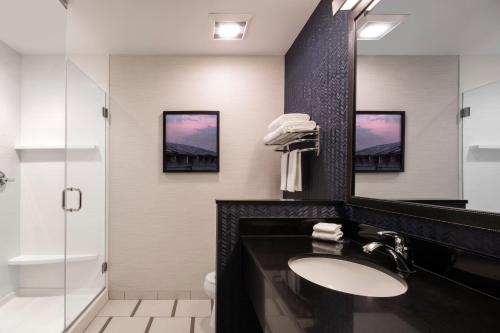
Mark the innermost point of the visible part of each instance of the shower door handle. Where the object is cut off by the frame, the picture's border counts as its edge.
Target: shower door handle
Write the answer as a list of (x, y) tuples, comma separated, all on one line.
[(71, 189)]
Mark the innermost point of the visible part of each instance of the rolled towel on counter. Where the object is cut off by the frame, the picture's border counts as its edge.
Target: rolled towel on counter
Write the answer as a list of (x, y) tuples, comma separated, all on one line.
[(335, 237), (286, 118), (327, 227)]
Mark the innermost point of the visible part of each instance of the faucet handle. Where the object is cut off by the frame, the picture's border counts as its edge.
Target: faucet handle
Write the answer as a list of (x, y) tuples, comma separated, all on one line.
[(399, 240), (387, 233)]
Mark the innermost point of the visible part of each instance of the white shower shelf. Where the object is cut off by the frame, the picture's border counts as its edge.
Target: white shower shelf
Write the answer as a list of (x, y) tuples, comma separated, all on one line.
[(486, 147), (53, 147), (41, 259)]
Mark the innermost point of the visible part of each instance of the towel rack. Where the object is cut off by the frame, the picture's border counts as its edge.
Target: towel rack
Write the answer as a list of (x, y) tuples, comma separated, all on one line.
[(285, 140)]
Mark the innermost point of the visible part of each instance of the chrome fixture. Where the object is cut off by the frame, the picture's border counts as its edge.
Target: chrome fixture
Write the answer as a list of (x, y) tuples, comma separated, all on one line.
[(71, 189), (4, 180), (285, 140), (399, 252)]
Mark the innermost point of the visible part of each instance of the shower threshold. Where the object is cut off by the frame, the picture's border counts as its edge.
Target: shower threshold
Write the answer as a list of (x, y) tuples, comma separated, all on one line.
[(43, 314)]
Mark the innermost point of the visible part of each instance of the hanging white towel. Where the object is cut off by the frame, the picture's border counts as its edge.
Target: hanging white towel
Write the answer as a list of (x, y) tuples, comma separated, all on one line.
[(298, 173), (287, 117), (284, 170), (292, 171)]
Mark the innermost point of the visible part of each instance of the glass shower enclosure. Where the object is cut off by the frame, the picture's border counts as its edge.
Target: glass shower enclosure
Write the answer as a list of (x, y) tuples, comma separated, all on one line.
[(52, 173), (481, 148)]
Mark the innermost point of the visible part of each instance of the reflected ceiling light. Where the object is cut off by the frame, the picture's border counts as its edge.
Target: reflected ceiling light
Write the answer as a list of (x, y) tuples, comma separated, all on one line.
[(228, 26), (343, 5), (375, 27), (372, 5), (349, 4)]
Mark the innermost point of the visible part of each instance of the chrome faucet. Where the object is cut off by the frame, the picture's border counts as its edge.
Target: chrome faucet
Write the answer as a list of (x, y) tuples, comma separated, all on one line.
[(4, 180), (399, 252)]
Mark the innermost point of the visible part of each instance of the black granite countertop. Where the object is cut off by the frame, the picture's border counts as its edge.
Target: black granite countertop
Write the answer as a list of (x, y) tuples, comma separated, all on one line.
[(292, 304), (278, 201)]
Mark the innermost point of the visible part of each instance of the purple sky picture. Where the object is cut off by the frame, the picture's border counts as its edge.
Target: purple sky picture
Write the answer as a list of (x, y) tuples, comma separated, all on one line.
[(374, 130), (193, 130)]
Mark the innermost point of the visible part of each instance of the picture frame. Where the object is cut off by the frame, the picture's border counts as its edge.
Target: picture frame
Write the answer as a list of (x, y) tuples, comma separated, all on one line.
[(379, 141), (191, 141)]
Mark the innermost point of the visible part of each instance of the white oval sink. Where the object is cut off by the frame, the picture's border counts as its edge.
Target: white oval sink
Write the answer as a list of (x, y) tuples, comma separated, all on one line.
[(347, 276)]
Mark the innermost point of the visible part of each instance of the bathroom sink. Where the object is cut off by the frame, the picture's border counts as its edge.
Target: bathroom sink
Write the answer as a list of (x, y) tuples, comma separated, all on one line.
[(348, 276)]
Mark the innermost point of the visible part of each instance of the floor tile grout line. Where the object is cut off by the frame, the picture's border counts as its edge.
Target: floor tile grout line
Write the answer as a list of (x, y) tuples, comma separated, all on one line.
[(174, 308), (192, 325), (148, 327), (136, 308), (105, 325)]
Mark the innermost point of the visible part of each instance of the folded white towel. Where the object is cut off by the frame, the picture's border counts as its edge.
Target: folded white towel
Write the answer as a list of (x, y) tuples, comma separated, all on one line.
[(327, 227), (295, 126), (284, 170), (328, 236), (291, 177), (285, 118)]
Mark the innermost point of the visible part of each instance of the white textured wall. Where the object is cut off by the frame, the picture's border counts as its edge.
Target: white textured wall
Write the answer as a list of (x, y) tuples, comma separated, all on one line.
[(426, 87), (10, 88), (162, 226), (478, 70), (42, 172)]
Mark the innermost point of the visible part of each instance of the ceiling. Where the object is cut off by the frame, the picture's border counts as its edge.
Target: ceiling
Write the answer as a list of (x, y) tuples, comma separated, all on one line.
[(33, 26), (440, 27), (149, 26), (182, 26)]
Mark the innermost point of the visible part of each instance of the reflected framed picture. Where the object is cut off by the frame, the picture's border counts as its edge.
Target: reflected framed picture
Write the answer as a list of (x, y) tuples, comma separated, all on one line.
[(380, 141), (191, 141)]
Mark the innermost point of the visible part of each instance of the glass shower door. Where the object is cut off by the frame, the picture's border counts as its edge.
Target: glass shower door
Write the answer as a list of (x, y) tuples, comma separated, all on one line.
[(85, 192), (481, 148)]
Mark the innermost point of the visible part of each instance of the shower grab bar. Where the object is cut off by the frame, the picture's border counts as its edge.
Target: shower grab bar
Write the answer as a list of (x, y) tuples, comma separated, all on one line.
[(72, 189)]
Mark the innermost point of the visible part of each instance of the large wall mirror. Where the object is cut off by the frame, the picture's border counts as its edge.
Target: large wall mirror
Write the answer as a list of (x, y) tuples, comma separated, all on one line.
[(427, 122)]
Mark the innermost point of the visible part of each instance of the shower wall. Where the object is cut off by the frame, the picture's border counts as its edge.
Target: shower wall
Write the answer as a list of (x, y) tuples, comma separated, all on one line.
[(43, 85), (10, 87)]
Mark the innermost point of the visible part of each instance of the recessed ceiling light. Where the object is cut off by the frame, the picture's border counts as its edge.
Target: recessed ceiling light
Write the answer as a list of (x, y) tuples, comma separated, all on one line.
[(229, 30), (374, 30), (375, 27), (228, 26)]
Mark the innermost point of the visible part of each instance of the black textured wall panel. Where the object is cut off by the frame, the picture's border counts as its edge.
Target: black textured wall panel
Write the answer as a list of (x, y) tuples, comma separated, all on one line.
[(486, 242), (234, 314), (317, 83)]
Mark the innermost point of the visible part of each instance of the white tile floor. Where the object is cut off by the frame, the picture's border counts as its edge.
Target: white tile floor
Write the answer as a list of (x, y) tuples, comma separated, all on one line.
[(153, 316)]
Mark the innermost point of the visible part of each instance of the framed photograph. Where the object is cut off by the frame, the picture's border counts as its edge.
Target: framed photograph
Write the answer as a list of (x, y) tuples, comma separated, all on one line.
[(191, 141), (380, 141)]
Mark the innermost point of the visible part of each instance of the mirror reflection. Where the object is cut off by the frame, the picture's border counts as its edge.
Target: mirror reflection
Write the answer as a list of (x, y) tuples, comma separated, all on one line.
[(428, 103)]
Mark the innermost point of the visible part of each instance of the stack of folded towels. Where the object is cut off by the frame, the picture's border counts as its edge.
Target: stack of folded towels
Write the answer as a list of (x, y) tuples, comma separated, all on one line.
[(327, 231), (291, 163), (289, 122)]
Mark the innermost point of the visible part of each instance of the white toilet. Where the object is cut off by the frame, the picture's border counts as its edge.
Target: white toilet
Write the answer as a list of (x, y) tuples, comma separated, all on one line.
[(209, 286)]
